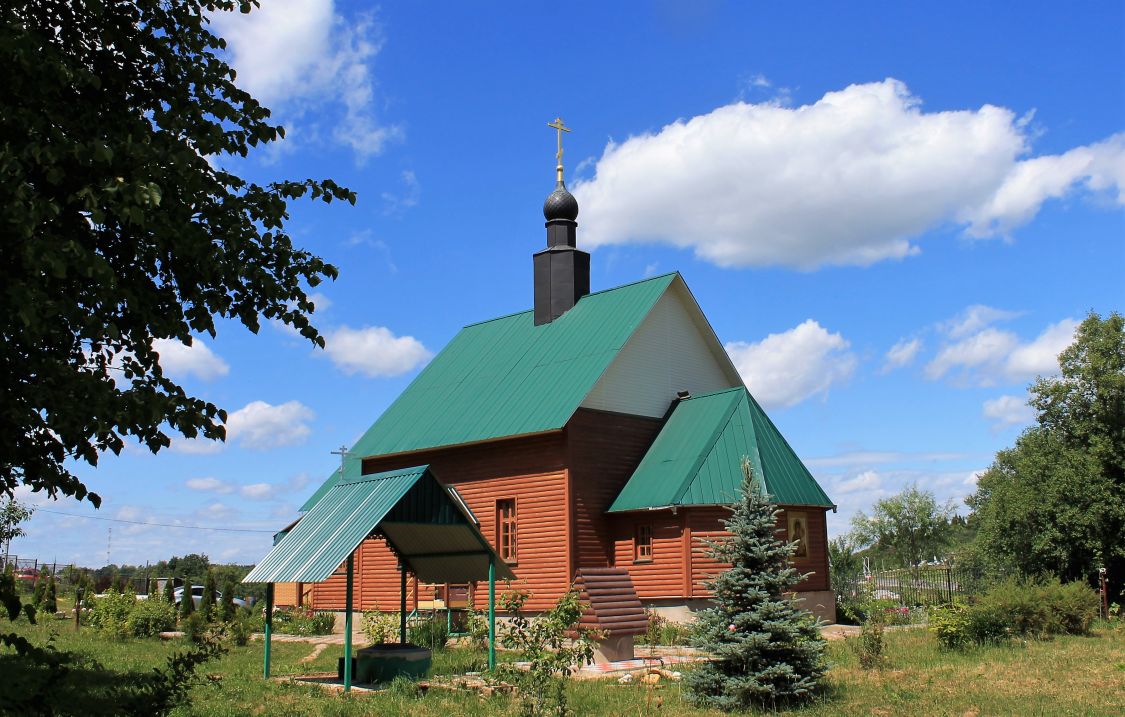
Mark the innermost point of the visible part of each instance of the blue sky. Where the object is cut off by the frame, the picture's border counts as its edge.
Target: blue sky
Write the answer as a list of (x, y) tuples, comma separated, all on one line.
[(892, 215)]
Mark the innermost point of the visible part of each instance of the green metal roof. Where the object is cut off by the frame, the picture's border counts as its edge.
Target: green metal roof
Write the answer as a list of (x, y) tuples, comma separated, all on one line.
[(508, 377), (425, 525), (696, 459)]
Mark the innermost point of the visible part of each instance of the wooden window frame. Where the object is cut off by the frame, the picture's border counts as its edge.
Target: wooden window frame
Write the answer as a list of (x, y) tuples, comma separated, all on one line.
[(508, 553), (642, 549)]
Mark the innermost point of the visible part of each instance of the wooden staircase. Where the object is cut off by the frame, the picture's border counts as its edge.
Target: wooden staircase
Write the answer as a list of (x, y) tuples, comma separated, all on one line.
[(614, 608)]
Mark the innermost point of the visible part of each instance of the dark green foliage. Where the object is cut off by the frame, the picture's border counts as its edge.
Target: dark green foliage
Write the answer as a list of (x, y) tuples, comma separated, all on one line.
[(40, 588), (187, 603), (118, 230), (194, 627), (50, 604), (207, 602), (170, 591), (240, 628), (431, 632), (1055, 502), (227, 607), (1023, 608), (151, 617), (768, 651)]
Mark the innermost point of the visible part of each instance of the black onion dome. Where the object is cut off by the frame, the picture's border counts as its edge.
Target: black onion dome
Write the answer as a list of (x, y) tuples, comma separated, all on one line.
[(560, 204)]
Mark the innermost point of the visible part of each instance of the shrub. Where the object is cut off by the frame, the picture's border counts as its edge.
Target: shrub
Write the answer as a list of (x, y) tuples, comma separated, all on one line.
[(1075, 606), (551, 656), (950, 624), (151, 617), (207, 601), (240, 628), (870, 647), (476, 625), (111, 613), (194, 627), (431, 632), (1041, 608), (380, 627), (303, 621)]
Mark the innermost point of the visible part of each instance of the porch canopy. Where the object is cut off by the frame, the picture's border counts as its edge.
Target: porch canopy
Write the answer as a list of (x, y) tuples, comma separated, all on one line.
[(427, 526)]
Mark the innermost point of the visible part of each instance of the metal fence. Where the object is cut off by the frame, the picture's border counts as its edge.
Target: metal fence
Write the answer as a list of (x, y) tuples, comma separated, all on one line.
[(911, 587)]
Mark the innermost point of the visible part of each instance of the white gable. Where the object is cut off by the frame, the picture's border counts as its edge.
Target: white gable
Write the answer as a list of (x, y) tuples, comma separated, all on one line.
[(674, 349)]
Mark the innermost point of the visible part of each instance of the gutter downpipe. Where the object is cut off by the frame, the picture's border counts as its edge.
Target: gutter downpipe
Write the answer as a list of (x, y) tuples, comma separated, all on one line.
[(348, 626)]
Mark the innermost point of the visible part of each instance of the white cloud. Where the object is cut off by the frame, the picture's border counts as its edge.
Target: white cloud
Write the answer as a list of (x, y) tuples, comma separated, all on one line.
[(901, 354), (866, 481), (973, 319), (180, 360), (1030, 183), (849, 179), (374, 351), (860, 458), (298, 55), (262, 425), (1008, 411), (411, 193), (1041, 356), (257, 491), (785, 369), (993, 355), (209, 484), (986, 348), (196, 446)]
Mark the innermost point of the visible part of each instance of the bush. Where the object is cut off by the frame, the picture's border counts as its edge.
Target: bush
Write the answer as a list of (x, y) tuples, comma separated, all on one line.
[(870, 647), (151, 617), (431, 632), (1039, 609), (950, 624), (111, 613), (194, 627), (240, 628), (303, 621), (380, 627)]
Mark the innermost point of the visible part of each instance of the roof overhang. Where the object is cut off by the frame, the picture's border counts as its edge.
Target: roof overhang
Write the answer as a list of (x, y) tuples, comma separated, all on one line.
[(424, 525)]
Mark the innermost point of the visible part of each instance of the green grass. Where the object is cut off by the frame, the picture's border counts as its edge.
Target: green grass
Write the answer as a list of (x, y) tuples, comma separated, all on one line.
[(1065, 676)]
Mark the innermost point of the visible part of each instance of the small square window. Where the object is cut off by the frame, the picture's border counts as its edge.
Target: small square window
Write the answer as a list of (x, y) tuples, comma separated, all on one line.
[(642, 543)]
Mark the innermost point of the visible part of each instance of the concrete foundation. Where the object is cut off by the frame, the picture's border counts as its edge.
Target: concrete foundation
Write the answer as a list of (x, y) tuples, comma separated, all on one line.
[(821, 603), (614, 649)]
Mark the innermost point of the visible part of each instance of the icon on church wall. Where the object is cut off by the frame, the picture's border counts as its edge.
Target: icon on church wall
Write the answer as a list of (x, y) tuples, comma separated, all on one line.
[(799, 533)]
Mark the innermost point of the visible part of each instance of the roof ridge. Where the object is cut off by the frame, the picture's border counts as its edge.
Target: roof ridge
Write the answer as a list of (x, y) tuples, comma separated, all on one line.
[(715, 393), (702, 457), (592, 293), (761, 411)]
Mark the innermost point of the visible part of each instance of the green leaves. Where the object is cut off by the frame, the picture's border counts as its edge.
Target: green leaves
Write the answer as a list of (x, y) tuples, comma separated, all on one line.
[(118, 231)]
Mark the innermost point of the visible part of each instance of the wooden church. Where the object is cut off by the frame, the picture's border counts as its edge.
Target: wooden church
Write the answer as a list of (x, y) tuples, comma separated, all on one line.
[(595, 436)]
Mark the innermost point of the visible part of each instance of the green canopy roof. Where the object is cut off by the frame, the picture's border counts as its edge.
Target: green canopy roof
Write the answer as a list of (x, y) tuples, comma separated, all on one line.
[(509, 377), (696, 459), (423, 522)]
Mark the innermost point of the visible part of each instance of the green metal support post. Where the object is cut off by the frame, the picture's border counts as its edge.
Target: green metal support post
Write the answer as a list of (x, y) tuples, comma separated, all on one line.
[(269, 626), (402, 604), (491, 612), (348, 626)]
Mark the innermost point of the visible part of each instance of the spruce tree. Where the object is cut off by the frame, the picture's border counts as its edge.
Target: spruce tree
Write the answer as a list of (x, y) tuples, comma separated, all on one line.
[(207, 602), (767, 650), (40, 588)]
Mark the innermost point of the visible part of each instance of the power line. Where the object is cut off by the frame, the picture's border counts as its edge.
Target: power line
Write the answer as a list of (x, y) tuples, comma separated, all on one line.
[(155, 525)]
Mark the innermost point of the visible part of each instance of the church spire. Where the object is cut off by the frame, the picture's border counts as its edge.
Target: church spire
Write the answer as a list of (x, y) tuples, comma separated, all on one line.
[(562, 271)]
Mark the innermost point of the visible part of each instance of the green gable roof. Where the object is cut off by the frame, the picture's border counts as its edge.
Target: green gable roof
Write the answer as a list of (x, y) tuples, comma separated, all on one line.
[(696, 458), (508, 377), (426, 526)]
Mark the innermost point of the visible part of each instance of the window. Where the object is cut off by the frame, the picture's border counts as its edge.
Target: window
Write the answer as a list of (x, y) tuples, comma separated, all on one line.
[(506, 529), (642, 543)]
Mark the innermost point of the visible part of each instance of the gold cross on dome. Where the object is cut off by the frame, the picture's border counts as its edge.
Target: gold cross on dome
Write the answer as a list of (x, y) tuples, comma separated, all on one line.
[(559, 127)]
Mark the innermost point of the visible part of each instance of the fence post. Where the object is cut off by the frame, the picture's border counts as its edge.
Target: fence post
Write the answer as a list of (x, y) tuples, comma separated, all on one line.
[(949, 582)]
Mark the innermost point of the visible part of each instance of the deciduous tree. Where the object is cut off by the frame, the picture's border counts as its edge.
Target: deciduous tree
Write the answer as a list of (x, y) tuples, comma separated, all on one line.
[(124, 225), (910, 525)]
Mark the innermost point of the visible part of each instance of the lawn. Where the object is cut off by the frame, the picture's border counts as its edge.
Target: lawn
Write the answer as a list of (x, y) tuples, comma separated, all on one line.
[(1065, 676)]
